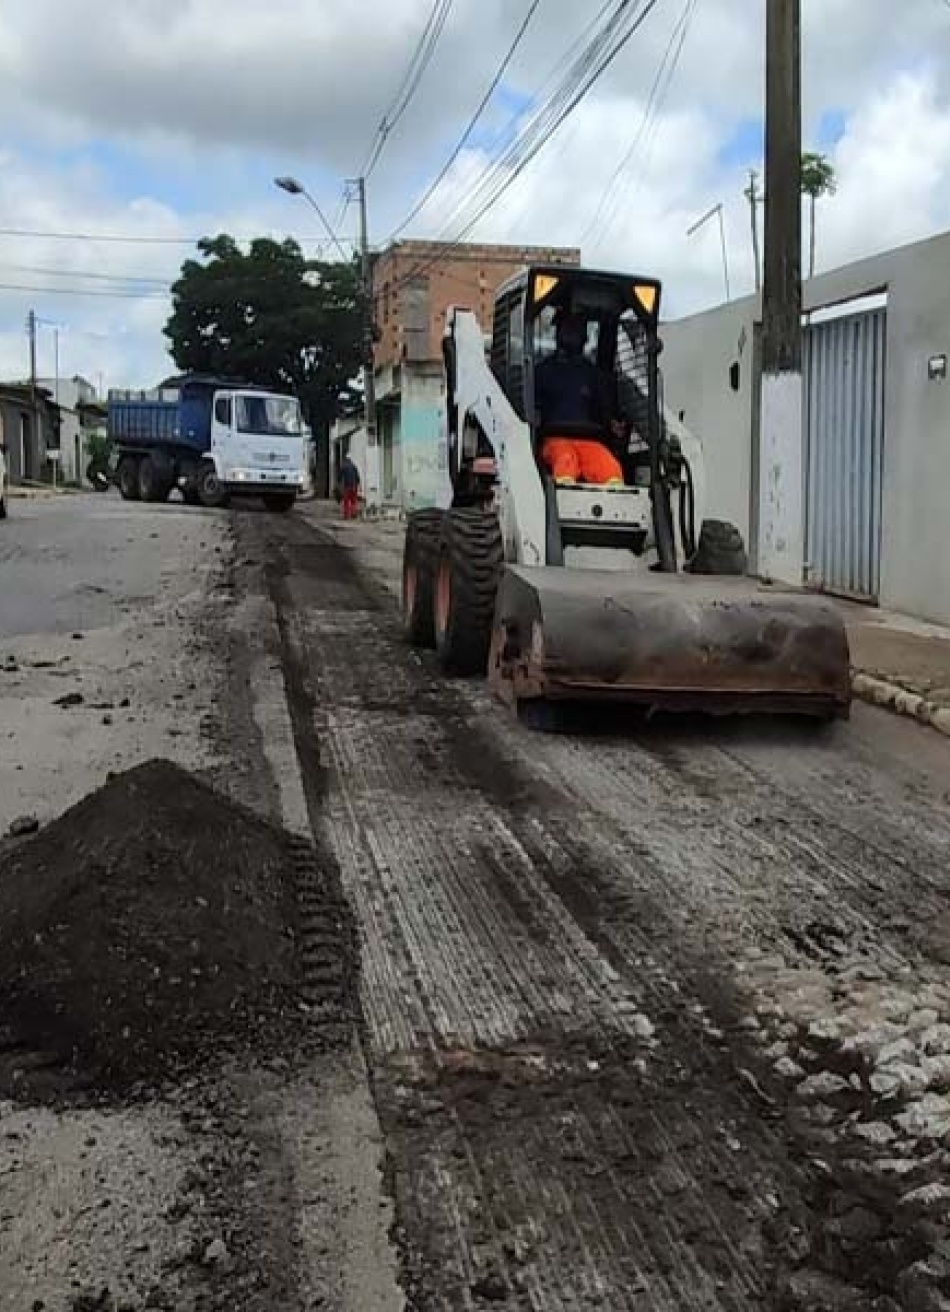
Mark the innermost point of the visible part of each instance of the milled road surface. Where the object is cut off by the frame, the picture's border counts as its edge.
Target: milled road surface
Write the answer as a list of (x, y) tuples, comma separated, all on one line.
[(656, 1020)]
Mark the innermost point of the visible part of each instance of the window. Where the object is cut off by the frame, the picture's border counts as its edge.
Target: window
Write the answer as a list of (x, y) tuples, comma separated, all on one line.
[(222, 410), (545, 335), (270, 416)]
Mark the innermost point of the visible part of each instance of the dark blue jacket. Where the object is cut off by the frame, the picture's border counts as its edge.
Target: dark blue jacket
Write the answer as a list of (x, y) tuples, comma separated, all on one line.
[(570, 390), (349, 475)]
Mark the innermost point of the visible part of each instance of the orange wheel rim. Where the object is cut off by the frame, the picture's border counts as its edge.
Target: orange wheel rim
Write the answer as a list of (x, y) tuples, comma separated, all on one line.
[(443, 596)]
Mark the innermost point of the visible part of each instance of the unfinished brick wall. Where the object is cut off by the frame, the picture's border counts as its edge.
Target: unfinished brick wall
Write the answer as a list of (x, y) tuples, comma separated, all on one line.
[(415, 283)]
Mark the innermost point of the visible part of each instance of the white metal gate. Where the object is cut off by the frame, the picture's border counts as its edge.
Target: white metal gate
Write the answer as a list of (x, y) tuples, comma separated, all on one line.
[(844, 362)]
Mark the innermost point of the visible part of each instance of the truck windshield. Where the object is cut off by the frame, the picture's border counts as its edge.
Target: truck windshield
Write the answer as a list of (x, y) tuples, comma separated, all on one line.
[(277, 416)]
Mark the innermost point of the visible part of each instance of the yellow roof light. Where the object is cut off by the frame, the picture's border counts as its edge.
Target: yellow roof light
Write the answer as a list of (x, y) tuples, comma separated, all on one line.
[(544, 284), (646, 295)]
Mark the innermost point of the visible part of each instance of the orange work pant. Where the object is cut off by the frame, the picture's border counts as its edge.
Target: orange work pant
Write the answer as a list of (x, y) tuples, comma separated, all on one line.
[(571, 461)]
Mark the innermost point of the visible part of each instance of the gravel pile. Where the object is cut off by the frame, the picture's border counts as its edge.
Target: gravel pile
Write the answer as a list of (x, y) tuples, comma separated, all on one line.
[(152, 926)]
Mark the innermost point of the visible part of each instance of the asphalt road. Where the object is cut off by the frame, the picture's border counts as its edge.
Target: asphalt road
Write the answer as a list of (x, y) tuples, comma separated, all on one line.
[(651, 1019), (123, 638), (102, 603), (655, 1019)]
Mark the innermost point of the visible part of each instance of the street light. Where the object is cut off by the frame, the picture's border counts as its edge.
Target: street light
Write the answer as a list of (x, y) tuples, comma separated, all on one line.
[(295, 188), (710, 214)]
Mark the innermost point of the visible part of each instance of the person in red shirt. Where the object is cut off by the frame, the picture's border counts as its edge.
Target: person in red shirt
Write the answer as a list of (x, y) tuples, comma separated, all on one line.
[(350, 488)]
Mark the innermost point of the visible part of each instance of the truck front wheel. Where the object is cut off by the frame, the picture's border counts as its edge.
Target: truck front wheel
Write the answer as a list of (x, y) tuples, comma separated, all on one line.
[(211, 491), (128, 478)]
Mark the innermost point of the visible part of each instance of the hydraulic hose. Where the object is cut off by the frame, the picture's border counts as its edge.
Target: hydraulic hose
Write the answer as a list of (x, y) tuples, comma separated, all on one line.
[(687, 511)]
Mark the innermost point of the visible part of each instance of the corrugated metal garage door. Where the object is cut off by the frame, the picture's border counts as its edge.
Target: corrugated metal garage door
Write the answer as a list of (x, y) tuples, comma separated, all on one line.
[(844, 416)]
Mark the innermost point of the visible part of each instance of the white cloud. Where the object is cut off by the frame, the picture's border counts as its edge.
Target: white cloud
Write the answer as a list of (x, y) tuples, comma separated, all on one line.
[(893, 168), (200, 92)]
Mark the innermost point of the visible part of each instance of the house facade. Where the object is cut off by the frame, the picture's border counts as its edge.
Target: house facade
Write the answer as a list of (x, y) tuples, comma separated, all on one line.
[(76, 400), (29, 429), (414, 285)]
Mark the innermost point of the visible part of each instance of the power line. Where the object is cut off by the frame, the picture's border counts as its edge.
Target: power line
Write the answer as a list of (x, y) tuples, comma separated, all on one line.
[(89, 291), (154, 241), (483, 104), (546, 96), (614, 27), (421, 58), (608, 37), (79, 273), (658, 92)]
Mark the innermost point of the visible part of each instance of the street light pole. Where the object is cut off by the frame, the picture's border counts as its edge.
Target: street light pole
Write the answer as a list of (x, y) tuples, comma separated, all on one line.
[(294, 187), (716, 210), (781, 464)]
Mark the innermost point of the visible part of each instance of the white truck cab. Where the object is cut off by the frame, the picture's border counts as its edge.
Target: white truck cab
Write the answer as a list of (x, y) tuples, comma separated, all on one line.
[(259, 443)]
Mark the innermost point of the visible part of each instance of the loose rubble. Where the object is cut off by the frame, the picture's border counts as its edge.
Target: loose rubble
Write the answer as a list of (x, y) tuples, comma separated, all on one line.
[(866, 1058)]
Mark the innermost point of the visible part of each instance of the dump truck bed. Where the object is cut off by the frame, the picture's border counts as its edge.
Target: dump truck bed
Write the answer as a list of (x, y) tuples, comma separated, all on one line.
[(668, 641)]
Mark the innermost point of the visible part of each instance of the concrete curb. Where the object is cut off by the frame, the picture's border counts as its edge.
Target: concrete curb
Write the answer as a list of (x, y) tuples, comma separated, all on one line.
[(897, 699)]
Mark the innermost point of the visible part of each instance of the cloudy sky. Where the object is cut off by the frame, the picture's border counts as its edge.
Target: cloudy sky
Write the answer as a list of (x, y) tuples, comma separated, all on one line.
[(167, 119)]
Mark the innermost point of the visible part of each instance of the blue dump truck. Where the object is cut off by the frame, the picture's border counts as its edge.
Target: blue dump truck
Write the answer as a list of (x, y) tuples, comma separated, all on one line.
[(211, 438)]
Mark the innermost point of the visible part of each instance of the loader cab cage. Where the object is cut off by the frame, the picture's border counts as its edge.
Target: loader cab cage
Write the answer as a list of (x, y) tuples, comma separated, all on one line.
[(621, 313)]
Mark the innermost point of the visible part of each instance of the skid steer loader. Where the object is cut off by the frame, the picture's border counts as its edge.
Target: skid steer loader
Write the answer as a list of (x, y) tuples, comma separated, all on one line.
[(568, 590)]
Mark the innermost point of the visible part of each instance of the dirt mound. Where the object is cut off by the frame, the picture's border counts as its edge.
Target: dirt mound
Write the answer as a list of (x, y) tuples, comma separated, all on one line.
[(153, 925)]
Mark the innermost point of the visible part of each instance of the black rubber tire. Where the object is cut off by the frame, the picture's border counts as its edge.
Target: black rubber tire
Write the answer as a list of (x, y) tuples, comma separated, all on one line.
[(3, 508), (211, 492), (420, 555), (128, 479), (471, 557), (278, 503), (720, 551), (152, 487)]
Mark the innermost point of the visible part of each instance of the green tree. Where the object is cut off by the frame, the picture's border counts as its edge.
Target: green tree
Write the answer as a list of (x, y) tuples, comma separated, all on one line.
[(817, 180), (269, 316)]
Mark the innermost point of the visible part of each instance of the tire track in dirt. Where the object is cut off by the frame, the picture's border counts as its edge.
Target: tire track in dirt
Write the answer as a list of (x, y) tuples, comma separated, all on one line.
[(532, 909)]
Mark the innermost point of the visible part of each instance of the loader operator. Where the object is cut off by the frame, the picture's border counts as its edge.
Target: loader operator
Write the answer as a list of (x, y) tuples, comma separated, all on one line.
[(572, 392)]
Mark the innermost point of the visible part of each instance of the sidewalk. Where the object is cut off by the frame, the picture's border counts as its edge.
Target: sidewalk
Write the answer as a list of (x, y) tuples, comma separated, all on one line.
[(899, 663)]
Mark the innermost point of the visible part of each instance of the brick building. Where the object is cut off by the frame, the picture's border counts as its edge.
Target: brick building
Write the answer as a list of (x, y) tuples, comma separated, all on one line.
[(414, 284)]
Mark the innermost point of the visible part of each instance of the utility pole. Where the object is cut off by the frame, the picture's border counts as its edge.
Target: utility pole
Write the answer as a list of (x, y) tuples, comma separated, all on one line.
[(753, 196), (781, 464), (366, 273), (31, 332), (25, 460)]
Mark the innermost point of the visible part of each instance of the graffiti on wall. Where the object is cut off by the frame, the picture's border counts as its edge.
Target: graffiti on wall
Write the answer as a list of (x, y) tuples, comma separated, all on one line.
[(424, 456)]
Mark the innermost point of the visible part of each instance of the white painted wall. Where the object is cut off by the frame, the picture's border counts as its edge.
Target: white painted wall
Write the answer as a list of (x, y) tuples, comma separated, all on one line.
[(697, 357), (915, 560)]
